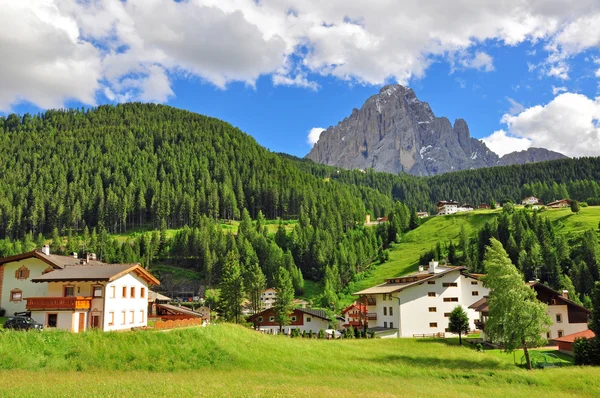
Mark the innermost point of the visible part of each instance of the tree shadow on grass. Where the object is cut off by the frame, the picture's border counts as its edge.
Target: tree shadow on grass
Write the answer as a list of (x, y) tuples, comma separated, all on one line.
[(432, 362)]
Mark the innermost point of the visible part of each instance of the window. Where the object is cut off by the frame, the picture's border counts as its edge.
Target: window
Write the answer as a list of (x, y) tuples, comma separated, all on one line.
[(132, 295), (384, 310), (548, 335), (123, 317), (391, 311), (560, 333), (142, 316), (385, 324), (431, 282), (392, 325), (69, 291), (432, 309), (294, 318), (474, 293), (558, 318), (132, 320), (97, 291), (433, 324), (473, 282), (447, 314), (384, 297), (111, 319), (51, 320), (308, 319), (431, 294), (124, 292), (260, 318), (449, 284), (16, 295), (143, 292), (271, 319), (22, 273), (447, 330), (450, 299), (113, 292)]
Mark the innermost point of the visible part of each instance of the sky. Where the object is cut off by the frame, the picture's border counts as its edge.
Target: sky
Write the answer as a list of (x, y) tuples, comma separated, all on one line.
[(522, 73)]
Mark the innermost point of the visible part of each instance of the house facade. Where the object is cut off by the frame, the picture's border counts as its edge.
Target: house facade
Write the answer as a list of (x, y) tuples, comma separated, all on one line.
[(559, 204), (567, 316), (267, 298), (531, 200), (420, 303), (447, 207), (99, 296), (303, 319), (355, 315)]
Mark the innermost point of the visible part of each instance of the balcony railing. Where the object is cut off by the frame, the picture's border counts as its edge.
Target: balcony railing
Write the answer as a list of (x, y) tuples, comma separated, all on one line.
[(58, 303), (372, 316)]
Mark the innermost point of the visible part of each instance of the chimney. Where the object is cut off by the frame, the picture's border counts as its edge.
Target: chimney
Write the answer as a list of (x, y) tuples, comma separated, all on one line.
[(432, 266), (46, 250), (420, 268), (74, 254), (565, 294)]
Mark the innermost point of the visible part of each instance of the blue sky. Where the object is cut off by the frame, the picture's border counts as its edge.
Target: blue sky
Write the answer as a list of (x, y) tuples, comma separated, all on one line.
[(278, 69)]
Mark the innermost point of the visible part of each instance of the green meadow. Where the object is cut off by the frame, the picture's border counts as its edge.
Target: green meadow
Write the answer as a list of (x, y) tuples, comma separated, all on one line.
[(229, 360)]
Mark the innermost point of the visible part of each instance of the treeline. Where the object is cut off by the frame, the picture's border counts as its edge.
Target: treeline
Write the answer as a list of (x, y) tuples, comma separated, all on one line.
[(148, 165), (571, 178), (562, 262)]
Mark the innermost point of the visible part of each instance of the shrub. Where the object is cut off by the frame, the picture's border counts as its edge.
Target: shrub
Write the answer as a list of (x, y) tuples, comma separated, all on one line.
[(310, 334), (586, 352), (303, 333), (384, 256), (2, 311), (479, 347), (321, 334)]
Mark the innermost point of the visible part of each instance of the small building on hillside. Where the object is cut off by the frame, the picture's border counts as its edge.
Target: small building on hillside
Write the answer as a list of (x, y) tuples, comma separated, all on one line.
[(531, 200), (465, 207), (267, 298), (299, 303), (355, 315), (99, 296), (447, 207), (419, 304), (484, 206), (303, 319), (565, 343), (422, 214), (382, 219), (155, 299), (567, 316), (559, 204)]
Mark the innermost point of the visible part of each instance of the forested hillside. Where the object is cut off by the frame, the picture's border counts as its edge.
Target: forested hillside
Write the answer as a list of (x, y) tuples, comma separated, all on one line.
[(572, 178)]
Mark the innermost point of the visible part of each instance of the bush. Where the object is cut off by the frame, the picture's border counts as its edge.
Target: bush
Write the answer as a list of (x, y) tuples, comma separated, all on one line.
[(295, 333), (479, 347), (310, 334), (384, 256), (321, 334), (303, 333), (586, 351), (2, 311)]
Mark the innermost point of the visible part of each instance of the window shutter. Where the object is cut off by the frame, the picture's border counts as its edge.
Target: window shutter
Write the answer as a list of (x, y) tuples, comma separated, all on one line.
[(17, 274), (26, 273)]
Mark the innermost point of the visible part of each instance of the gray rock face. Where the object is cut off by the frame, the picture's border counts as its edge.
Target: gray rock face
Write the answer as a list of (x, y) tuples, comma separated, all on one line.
[(394, 132), (531, 155)]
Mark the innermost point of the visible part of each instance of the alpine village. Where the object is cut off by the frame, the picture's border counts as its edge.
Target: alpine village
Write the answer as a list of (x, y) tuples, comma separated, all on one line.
[(148, 247)]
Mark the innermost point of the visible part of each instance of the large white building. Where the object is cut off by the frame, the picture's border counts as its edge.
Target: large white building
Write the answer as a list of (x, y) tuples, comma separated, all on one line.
[(420, 303), (267, 298), (567, 316), (447, 207)]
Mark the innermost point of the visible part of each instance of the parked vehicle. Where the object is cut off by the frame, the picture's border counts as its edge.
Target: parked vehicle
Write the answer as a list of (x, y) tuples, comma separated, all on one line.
[(22, 323)]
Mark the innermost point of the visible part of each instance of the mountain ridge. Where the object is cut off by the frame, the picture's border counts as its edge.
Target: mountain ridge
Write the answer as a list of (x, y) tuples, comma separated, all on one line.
[(396, 132)]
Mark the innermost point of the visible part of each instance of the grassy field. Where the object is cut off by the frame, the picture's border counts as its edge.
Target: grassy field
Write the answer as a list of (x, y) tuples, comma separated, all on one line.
[(2, 320), (227, 360)]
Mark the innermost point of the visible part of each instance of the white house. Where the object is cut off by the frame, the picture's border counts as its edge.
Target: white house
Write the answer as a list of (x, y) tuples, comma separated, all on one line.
[(447, 207), (97, 295), (531, 200), (303, 319), (567, 316), (420, 303), (267, 297)]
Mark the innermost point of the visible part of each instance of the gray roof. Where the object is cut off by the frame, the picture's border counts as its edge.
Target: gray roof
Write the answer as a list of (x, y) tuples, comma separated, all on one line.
[(94, 272), (317, 313), (387, 288), (153, 296)]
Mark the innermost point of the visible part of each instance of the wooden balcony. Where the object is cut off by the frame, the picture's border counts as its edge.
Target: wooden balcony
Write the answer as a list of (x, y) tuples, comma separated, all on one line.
[(58, 303), (372, 316)]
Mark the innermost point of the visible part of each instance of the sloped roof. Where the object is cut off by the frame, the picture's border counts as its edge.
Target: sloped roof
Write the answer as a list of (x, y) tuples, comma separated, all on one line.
[(570, 338), (318, 313), (153, 296), (481, 305), (54, 260), (387, 288), (557, 295), (97, 271)]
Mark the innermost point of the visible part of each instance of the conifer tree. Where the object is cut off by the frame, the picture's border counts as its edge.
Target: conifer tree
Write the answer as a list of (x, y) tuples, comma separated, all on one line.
[(232, 289), (284, 303)]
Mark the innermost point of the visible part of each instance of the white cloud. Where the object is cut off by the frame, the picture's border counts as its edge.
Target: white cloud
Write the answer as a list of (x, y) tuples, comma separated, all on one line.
[(503, 143), (314, 134), (557, 90), (568, 124), (515, 107), (54, 50)]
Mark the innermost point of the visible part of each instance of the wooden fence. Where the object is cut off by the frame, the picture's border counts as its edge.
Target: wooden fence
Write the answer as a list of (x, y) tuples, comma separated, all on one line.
[(179, 323)]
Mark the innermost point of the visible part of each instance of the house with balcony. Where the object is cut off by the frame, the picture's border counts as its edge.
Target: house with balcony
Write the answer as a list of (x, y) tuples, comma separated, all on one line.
[(419, 304), (268, 297), (567, 316), (355, 315), (303, 319)]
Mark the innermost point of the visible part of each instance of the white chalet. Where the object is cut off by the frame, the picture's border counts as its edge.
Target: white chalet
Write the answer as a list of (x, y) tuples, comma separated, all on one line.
[(267, 297), (447, 207), (420, 303), (531, 200)]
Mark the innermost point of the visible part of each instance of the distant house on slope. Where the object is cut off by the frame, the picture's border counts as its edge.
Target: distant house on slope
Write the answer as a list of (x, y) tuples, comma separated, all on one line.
[(303, 319), (422, 214), (268, 297), (447, 207), (420, 303), (484, 206), (558, 204), (531, 200), (567, 316), (355, 315)]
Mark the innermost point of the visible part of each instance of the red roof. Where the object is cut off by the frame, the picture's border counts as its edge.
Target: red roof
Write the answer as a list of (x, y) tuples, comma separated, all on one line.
[(360, 307), (570, 338)]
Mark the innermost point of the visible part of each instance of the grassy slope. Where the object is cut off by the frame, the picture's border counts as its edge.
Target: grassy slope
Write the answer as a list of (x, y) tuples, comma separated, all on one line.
[(231, 360), (404, 257)]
